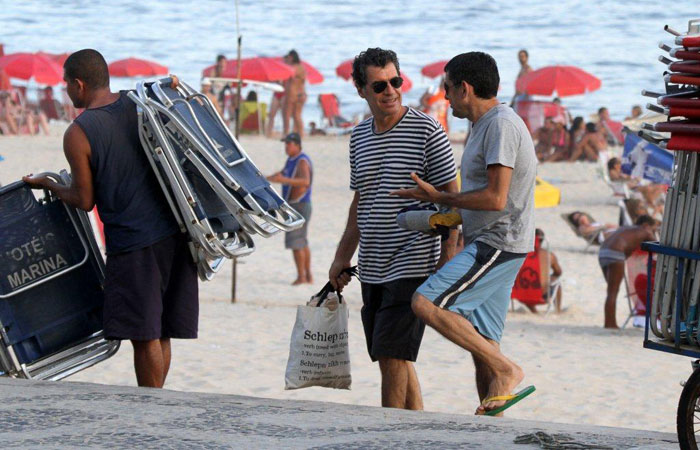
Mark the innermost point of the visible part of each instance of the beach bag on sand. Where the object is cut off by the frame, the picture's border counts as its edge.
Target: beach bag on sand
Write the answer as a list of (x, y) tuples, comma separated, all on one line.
[(319, 354)]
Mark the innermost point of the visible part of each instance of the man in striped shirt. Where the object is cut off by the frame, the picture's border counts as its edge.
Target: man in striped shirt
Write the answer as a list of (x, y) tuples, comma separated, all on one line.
[(467, 299), (384, 150)]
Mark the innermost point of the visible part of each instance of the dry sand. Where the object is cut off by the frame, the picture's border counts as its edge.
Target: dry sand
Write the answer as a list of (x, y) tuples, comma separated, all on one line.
[(583, 373)]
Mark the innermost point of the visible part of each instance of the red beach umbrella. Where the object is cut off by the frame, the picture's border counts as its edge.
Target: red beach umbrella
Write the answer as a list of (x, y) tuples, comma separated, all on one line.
[(258, 68), (435, 69), (565, 80), (58, 58), (344, 71), (32, 65), (135, 67), (313, 76)]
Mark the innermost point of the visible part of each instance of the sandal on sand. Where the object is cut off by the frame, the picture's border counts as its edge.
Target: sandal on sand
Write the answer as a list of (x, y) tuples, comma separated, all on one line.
[(509, 399)]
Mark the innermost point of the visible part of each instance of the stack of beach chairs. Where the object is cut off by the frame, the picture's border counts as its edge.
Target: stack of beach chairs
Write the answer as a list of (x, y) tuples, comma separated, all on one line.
[(216, 193), (680, 229)]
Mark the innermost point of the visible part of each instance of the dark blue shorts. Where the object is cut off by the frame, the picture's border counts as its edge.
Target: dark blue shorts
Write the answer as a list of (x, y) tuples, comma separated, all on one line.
[(152, 293)]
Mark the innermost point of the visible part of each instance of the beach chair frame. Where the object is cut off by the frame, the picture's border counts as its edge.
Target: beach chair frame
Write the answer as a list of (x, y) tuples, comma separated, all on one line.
[(76, 356), (593, 239)]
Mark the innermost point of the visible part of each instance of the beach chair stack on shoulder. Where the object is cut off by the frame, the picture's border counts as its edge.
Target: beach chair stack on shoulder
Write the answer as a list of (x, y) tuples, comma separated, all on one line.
[(217, 194), (680, 230)]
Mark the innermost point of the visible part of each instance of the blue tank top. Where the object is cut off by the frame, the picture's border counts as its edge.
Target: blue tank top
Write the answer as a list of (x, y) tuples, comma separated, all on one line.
[(290, 169), (129, 199)]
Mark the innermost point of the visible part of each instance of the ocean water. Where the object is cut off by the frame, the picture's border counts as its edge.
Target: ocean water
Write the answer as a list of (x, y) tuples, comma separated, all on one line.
[(614, 40)]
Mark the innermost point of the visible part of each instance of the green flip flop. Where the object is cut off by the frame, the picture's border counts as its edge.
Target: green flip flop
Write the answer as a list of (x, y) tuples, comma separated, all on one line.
[(510, 400)]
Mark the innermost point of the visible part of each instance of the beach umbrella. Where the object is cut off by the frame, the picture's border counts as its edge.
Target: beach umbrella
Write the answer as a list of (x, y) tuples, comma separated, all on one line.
[(258, 68), (135, 67), (344, 71), (25, 66), (565, 80), (58, 58), (435, 69), (313, 76)]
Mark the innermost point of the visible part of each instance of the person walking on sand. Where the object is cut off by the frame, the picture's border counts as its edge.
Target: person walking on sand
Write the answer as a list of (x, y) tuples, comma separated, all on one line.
[(467, 299), (384, 149), (296, 178), (612, 255), (150, 291)]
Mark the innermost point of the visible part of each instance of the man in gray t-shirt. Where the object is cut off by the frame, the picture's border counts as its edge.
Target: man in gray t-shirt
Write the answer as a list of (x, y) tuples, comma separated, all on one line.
[(467, 299)]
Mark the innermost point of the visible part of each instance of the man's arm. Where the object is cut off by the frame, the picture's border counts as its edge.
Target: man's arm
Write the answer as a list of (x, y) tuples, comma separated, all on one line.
[(556, 268), (492, 198), (346, 248), (80, 193), (302, 178)]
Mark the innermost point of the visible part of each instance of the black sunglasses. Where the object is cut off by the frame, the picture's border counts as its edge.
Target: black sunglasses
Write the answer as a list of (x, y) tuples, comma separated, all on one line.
[(379, 86)]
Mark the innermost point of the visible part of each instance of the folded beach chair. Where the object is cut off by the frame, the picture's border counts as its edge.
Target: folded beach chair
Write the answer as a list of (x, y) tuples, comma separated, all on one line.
[(595, 238), (527, 288), (218, 195), (51, 287)]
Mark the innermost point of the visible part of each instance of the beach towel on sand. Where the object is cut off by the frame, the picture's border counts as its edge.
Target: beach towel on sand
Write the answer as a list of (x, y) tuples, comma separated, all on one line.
[(318, 352)]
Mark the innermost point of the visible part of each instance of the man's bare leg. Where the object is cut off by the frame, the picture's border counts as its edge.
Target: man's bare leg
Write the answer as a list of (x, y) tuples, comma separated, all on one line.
[(307, 264), (394, 382), (299, 263), (165, 350), (414, 399), (148, 363), (505, 375)]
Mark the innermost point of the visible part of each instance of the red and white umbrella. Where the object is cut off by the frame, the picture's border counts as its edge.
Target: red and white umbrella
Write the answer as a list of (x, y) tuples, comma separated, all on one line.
[(344, 71), (26, 66), (58, 58), (258, 68), (564, 80), (135, 67)]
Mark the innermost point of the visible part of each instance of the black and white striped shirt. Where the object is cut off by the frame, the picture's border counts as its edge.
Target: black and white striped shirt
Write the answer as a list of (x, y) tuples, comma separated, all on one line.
[(382, 163)]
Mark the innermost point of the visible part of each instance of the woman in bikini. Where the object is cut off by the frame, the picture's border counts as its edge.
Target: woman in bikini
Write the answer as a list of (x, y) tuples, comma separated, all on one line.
[(296, 94)]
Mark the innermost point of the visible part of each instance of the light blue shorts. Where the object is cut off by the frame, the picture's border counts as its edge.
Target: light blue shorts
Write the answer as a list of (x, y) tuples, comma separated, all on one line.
[(476, 284)]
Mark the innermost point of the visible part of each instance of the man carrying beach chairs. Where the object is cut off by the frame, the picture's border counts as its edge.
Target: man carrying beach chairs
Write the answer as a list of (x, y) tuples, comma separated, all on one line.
[(467, 299), (384, 150), (150, 279)]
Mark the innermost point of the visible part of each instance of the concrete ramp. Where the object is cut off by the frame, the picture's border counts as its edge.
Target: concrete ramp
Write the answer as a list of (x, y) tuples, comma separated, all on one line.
[(68, 415)]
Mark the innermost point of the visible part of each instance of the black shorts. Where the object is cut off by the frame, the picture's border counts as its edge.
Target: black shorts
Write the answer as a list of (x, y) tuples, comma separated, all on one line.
[(152, 293), (392, 329)]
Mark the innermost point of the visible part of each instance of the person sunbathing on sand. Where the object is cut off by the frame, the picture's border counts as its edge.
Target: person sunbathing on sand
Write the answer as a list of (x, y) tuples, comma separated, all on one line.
[(587, 227), (613, 253)]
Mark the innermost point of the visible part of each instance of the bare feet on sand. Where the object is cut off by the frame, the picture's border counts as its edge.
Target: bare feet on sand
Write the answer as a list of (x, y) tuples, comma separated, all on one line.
[(298, 281), (502, 384)]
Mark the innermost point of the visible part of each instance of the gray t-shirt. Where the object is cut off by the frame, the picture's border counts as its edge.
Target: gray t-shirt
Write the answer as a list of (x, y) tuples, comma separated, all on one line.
[(501, 137)]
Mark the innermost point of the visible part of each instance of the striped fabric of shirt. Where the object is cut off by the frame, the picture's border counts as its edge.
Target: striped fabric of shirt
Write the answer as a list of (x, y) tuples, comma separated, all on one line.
[(382, 163)]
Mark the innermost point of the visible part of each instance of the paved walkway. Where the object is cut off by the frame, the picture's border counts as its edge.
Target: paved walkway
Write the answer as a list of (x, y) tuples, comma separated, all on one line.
[(81, 415)]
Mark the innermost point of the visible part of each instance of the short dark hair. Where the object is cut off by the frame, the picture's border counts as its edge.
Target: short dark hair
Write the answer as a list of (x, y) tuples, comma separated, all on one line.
[(590, 127), (601, 109), (522, 50), (645, 219), (612, 162), (376, 57), (478, 69), (294, 56), (88, 66), (220, 57), (539, 233)]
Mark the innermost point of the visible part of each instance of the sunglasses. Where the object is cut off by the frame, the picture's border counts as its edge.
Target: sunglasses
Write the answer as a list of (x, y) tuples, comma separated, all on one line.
[(379, 86)]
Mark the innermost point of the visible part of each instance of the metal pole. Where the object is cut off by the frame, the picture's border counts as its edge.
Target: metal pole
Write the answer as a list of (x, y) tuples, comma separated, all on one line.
[(236, 132)]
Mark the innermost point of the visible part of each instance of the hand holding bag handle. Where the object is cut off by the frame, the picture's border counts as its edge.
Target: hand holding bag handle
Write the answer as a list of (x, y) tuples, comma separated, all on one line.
[(328, 288)]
